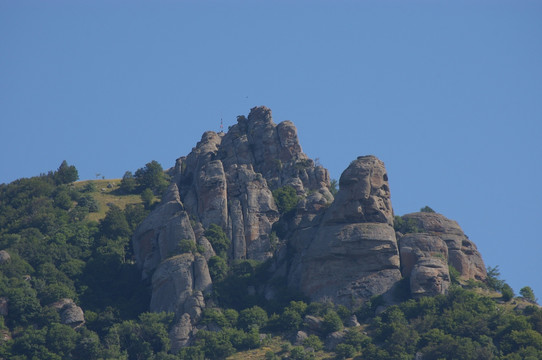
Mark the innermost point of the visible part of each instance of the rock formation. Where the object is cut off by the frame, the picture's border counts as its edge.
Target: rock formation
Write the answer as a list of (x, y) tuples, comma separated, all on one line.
[(70, 313), (343, 249), (351, 254)]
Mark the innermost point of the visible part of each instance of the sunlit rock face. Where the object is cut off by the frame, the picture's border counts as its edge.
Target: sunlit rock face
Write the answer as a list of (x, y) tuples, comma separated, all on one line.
[(351, 254)]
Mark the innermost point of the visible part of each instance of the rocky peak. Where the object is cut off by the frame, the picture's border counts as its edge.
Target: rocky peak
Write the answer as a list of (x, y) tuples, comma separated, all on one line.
[(342, 249), (364, 194)]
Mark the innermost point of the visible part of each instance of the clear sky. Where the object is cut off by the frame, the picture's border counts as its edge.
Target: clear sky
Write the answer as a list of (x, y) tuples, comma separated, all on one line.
[(447, 93)]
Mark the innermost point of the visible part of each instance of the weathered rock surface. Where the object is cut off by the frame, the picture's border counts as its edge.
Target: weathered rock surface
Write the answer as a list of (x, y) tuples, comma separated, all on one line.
[(4, 257), (70, 313), (179, 283), (424, 260), (429, 277), (351, 254), (462, 253)]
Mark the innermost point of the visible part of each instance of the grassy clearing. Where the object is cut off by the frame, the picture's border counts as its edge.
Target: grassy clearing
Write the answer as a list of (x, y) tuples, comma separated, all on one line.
[(105, 194)]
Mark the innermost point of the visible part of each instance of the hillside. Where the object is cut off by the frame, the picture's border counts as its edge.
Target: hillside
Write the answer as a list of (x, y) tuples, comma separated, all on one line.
[(246, 249)]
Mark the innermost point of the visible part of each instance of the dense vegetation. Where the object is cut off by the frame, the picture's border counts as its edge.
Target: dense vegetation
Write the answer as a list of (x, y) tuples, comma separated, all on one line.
[(57, 252)]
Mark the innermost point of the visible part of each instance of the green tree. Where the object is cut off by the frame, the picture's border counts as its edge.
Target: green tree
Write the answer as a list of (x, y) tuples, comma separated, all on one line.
[(331, 322), (218, 239), (427, 209), (66, 174), (147, 196), (344, 351), (507, 292), (313, 341), (333, 187), (218, 268), (152, 176), (285, 198), (128, 183), (61, 340), (114, 224), (252, 317), (527, 293)]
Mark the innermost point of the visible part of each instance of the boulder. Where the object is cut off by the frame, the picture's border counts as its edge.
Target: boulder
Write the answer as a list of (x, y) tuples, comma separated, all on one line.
[(4, 257), (334, 339), (462, 253), (300, 336), (313, 323), (70, 313)]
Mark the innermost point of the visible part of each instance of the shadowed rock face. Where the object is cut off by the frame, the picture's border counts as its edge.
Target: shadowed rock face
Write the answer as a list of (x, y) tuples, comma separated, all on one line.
[(342, 249)]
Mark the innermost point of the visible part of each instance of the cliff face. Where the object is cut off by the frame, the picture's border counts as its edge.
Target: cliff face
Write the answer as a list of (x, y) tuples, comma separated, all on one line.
[(343, 248)]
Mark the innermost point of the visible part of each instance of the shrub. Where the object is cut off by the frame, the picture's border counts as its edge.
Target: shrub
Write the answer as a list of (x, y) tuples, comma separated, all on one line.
[(218, 239), (454, 274), (289, 320), (405, 225), (313, 341), (218, 268), (128, 183), (147, 196), (186, 246), (507, 292), (285, 198), (427, 209), (527, 293), (344, 351), (152, 176), (331, 322), (252, 317)]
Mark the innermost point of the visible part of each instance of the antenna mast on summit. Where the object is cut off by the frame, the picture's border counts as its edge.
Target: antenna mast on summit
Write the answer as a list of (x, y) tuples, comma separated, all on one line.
[(221, 126)]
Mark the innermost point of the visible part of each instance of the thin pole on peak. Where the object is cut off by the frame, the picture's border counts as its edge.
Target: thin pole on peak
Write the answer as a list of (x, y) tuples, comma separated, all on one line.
[(221, 126)]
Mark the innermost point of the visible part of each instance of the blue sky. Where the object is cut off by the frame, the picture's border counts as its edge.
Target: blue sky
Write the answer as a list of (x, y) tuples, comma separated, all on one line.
[(447, 93)]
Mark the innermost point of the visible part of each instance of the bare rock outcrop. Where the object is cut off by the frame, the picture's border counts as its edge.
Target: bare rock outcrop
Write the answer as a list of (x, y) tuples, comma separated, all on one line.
[(462, 253), (70, 313), (227, 180), (352, 253), (4, 257)]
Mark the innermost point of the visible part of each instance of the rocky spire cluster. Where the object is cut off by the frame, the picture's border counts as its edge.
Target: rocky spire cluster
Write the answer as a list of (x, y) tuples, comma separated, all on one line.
[(342, 248)]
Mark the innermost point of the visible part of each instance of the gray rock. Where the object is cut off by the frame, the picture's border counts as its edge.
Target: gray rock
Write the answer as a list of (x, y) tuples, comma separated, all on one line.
[(462, 253), (300, 336), (70, 313), (352, 321), (429, 277), (180, 334), (334, 339), (352, 253), (313, 323), (4, 257), (178, 283)]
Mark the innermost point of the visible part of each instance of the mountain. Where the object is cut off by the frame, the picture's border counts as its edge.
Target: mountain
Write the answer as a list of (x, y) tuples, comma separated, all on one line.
[(341, 248), (246, 249)]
